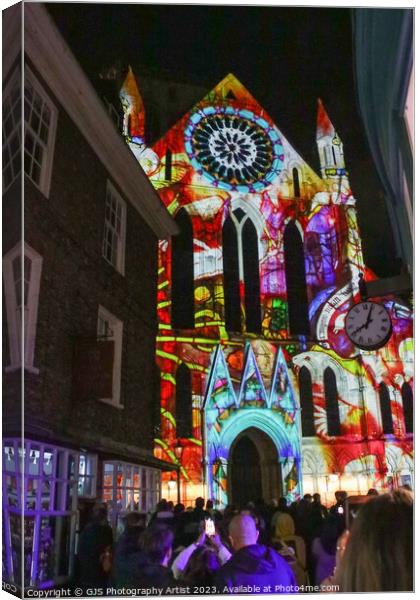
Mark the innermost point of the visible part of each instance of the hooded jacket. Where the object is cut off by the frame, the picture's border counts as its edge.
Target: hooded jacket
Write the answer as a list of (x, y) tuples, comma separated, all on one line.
[(284, 539), (254, 567)]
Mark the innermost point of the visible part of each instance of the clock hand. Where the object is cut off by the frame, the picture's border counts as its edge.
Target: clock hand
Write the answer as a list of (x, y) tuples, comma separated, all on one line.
[(369, 320)]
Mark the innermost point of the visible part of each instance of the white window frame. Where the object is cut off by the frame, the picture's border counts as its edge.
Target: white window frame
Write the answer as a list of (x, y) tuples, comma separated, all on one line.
[(54, 470), (121, 483), (14, 80), (88, 471), (239, 225), (48, 155), (120, 259), (30, 319), (116, 327)]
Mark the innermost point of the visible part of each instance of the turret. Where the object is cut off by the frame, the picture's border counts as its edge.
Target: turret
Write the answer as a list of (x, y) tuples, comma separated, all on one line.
[(331, 154), (134, 113), (134, 124)]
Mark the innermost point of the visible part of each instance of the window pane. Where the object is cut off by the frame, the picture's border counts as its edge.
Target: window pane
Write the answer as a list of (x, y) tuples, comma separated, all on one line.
[(38, 154), (31, 493), (14, 144), (46, 490), (37, 119), (33, 463), (36, 172), (113, 244), (15, 167), (46, 115), (11, 125), (27, 110), (37, 104), (47, 468), (9, 458), (16, 265), (35, 122), (44, 133), (108, 475), (27, 164), (8, 126), (12, 490)]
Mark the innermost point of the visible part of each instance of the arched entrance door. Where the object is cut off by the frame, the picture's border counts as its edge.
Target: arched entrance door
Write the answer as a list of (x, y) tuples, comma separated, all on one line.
[(254, 469)]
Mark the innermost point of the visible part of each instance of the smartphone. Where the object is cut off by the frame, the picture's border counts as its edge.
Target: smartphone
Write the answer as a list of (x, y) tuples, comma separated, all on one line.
[(209, 527)]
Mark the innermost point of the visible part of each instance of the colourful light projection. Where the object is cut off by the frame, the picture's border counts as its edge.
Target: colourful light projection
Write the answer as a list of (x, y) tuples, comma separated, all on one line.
[(235, 149), (226, 162)]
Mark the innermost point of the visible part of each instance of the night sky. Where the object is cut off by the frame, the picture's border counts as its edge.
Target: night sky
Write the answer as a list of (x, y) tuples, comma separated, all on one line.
[(286, 57)]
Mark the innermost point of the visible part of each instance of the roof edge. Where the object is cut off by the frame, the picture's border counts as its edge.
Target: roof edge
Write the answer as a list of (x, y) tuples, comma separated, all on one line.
[(54, 60)]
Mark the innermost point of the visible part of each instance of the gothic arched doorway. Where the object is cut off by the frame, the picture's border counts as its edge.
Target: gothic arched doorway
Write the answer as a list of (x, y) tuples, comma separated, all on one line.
[(254, 469)]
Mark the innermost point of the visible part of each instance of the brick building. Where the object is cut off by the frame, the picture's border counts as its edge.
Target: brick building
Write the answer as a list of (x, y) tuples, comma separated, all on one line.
[(86, 372)]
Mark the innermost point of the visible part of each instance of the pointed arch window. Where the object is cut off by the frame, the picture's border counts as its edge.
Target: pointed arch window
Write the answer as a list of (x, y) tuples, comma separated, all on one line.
[(385, 405), (241, 261), (183, 274), (321, 249), (183, 401), (251, 277), (331, 402), (306, 403), (296, 281), (22, 282), (407, 402), (231, 276), (296, 183), (168, 165)]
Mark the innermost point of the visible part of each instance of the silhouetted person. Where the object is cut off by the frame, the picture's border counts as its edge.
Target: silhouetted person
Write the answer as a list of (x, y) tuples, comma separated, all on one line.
[(180, 517), (214, 542), (291, 546), (302, 517), (281, 509), (95, 550), (164, 513), (378, 556), (156, 545), (252, 564), (210, 507), (338, 509), (324, 548), (340, 499), (127, 554), (202, 566), (199, 514), (319, 513)]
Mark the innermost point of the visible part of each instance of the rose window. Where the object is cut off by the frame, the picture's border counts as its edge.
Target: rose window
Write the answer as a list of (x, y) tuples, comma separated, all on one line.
[(234, 151)]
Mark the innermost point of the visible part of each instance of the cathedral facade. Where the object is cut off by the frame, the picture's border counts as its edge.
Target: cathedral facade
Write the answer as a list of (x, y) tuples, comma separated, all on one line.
[(262, 393)]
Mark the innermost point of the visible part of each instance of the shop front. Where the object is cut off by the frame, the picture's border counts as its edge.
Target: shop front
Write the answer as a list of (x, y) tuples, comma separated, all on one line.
[(39, 505), (44, 490)]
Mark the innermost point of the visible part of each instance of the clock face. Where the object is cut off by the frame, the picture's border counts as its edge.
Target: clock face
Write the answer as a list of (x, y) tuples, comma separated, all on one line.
[(368, 325), (235, 149)]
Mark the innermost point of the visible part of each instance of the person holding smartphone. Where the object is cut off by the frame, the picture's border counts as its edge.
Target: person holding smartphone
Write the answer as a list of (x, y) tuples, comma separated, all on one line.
[(207, 536)]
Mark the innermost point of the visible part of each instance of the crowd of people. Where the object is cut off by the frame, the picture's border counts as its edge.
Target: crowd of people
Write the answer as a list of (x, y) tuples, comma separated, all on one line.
[(257, 548)]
